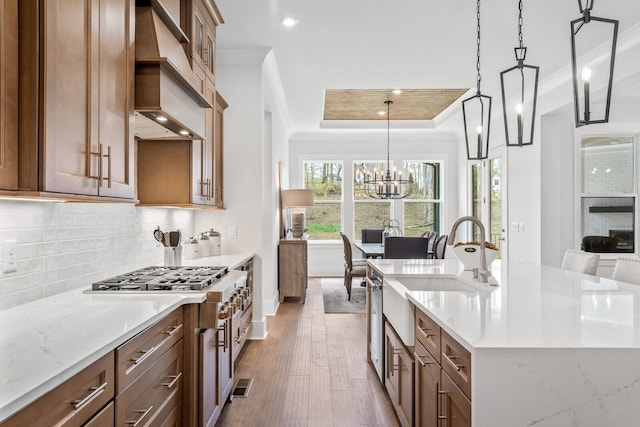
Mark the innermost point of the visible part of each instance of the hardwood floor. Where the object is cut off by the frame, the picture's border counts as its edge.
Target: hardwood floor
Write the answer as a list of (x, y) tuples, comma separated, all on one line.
[(312, 370)]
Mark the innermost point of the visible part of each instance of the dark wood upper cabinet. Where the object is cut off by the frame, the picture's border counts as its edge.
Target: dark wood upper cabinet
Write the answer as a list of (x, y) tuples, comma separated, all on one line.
[(79, 54), (9, 95)]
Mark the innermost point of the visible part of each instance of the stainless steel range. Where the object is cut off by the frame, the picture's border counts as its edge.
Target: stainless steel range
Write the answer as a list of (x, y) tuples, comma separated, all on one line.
[(223, 321), (156, 278)]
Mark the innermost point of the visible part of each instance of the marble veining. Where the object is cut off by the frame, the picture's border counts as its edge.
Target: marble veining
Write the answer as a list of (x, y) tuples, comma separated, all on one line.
[(549, 347), (47, 341)]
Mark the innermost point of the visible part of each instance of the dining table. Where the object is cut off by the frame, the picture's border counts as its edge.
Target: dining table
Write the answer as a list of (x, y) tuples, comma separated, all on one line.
[(370, 250)]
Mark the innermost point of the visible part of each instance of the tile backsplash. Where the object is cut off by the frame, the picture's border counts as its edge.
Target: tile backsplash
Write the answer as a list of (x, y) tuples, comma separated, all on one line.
[(62, 246)]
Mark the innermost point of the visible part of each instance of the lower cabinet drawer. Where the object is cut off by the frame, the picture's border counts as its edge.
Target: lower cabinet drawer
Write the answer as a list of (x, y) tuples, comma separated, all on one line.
[(456, 361), (428, 333), (73, 402), (153, 396), (104, 418), (135, 356)]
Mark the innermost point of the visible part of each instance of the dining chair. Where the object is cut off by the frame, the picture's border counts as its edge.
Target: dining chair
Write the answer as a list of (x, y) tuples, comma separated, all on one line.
[(372, 235), (352, 267), (431, 237), (405, 248), (627, 270), (586, 263), (440, 247)]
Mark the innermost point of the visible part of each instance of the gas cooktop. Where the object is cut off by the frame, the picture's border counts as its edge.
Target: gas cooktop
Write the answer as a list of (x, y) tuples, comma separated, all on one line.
[(156, 278)]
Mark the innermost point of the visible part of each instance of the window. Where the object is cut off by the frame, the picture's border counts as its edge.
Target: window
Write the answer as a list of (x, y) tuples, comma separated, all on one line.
[(367, 212), (422, 207), (608, 196), (476, 197), (324, 219)]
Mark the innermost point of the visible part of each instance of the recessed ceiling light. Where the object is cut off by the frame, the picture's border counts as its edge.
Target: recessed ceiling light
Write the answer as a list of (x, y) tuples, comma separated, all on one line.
[(161, 118), (396, 91), (289, 22), (382, 113), (184, 132)]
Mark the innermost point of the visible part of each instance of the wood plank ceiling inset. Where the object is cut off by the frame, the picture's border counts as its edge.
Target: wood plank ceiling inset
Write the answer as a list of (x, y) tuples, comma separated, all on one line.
[(410, 104)]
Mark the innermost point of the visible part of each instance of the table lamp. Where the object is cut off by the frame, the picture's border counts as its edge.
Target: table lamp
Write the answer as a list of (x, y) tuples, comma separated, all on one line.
[(294, 201)]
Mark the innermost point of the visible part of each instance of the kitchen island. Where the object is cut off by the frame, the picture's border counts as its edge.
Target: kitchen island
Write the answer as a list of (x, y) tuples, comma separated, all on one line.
[(548, 347), (46, 342)]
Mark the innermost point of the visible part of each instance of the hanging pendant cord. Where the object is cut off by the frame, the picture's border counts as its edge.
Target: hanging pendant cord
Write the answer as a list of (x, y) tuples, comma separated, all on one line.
[(479, 78), (388, 119), (520, 23)]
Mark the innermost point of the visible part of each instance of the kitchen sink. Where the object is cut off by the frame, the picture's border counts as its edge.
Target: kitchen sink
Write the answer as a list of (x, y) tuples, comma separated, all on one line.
[(399, 311)]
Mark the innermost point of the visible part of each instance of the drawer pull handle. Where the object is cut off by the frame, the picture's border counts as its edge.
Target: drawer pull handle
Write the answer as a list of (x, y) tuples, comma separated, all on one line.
[(173, 381), (174, 329), (146, 353), (449, 359), (426, 333), (421, 360), (144, 414), (95, 391)]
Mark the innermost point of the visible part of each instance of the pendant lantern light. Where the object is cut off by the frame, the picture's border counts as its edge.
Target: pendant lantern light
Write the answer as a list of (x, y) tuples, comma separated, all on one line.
[(588, 33), (519, 85), (386, 185), (476, 112)]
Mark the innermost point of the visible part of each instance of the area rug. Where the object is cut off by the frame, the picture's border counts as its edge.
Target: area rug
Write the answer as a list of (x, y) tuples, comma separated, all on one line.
[(334, 295)]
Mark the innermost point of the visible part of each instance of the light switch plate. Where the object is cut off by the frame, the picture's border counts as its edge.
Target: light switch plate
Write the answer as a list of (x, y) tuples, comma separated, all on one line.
[(514, 227), (232, 232), (9, 255)]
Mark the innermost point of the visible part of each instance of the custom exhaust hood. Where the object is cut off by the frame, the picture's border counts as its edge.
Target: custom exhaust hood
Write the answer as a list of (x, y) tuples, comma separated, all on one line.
[(167, 103)]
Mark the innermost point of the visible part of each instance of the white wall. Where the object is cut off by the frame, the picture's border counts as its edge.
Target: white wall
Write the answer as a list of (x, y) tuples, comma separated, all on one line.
[(255, 141), (63, 246)]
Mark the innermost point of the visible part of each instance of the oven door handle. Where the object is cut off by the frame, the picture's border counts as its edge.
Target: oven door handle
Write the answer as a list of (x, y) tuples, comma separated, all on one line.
[(223, 329)]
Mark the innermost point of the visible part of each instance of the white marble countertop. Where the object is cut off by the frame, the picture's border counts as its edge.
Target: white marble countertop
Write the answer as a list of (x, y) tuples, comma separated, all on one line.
[(533, 306), (47, 341)]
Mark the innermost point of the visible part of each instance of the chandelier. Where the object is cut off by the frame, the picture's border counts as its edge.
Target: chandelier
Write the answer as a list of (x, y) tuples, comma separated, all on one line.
[(386, 185), (519, 95), (588, 27), (476, 111)]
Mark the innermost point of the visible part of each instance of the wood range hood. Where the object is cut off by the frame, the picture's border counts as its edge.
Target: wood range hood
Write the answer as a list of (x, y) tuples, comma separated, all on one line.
[(167, 103)]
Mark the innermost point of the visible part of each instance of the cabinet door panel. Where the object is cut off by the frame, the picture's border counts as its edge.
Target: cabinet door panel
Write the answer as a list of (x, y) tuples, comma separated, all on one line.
[(218, 152), (405, 385), (69, 91), (456, 406), (427, 376), (116, 97), (9, 95)]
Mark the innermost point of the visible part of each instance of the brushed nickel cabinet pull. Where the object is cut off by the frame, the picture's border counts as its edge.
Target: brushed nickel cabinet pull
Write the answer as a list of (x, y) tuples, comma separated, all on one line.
[(449, 360), (421, 361), (426, 333), (99, 155), (146, 353), (95, 391), (208, 188), (144, 414), (174, 381), (173, 330), (108, 156)]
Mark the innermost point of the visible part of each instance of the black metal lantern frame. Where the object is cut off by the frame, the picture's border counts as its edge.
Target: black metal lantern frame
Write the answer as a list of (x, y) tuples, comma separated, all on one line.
[(387, 185), (519, 85), (582, 98), (476, 112)]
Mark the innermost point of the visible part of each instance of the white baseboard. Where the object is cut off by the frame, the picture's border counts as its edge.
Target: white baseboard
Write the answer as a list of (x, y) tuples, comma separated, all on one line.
[(258, 329), (270, 307)]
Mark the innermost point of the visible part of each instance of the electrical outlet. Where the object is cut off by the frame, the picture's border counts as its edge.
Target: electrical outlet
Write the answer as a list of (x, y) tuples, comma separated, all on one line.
[(232, 232), (521, 227), (9, 255)]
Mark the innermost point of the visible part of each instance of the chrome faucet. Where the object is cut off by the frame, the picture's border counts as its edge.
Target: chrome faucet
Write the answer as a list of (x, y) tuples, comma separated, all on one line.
[(482, 272)]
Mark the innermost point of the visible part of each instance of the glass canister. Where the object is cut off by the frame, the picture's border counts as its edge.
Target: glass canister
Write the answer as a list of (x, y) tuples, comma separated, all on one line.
[(203, 245), (214, 242)]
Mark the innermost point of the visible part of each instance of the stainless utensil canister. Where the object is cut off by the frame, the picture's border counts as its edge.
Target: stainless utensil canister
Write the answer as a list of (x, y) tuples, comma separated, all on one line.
[(172, 256)]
